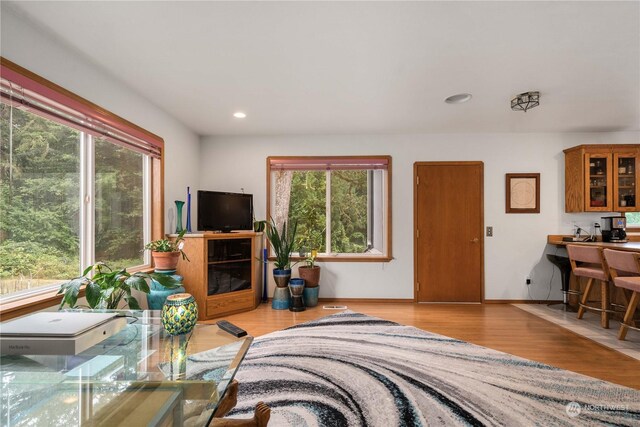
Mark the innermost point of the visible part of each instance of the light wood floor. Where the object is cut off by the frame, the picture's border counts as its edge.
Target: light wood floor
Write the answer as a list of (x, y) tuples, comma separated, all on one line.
[(497, 326)]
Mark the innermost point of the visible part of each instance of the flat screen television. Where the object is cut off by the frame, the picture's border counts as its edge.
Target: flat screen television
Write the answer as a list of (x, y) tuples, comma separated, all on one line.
[(219, 211)]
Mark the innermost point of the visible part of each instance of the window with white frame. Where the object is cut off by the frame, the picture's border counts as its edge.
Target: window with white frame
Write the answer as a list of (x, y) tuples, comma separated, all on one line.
[(73, 191), (341, 205)]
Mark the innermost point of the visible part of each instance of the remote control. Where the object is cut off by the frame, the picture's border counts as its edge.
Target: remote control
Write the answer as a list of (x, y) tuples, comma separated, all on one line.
[(231, 328)]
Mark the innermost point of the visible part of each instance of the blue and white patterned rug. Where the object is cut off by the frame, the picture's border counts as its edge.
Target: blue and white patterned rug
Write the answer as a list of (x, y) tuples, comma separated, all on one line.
[(350, 369)]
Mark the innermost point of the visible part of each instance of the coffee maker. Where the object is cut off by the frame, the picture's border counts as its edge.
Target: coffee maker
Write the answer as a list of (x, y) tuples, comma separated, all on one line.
[(613, 229)]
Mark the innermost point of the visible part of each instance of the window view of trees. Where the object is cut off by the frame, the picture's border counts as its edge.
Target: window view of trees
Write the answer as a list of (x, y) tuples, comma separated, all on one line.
[(119, 198), (348, 211), (40, 202), (307, 205), (39, 205)]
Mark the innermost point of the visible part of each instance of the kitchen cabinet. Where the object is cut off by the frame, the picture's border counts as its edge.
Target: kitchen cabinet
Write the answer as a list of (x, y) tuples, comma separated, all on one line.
[(601, 178)]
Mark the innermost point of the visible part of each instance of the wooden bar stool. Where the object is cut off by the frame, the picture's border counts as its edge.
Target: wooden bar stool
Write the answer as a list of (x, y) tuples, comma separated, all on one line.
[(624, 268), (588, 261)]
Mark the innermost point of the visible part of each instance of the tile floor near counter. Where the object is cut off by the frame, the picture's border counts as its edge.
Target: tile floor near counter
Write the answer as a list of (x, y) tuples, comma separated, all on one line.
[(588, 327)]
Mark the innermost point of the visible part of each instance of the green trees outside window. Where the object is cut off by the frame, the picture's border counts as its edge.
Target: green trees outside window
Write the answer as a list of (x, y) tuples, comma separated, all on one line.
[(348, 210), (40, 202)]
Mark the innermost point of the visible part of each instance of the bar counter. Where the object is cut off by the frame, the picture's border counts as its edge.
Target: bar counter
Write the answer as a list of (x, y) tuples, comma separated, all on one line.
[(577, 285), (632, 246)]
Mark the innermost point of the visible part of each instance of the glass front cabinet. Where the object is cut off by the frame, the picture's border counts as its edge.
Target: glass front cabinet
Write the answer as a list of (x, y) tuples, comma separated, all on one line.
[(625, 181), (224, 274), (601, 178)]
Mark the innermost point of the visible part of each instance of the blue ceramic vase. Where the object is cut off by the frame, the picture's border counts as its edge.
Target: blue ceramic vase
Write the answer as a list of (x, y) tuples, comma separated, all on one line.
[(310, 296), (158, 293), (281, 298)]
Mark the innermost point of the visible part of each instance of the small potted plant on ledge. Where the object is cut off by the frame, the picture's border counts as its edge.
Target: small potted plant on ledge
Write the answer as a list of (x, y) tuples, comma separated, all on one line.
[(282, 243), (106, 288), (165, 253), (311, 275)]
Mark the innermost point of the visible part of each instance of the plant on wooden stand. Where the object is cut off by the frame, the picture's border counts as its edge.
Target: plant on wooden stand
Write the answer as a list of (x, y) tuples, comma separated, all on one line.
[(106, 288), (166, 252)]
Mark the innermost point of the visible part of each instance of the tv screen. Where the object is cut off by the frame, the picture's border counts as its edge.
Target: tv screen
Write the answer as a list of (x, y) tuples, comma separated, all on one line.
[(218, 211)]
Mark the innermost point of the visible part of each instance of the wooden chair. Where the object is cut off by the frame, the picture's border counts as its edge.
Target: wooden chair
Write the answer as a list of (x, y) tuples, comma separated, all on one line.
[(589, 262), (626, 263)]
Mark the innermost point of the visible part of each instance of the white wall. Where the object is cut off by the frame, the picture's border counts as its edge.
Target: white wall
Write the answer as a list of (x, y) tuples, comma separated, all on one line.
[(519, 243), (227, 163), (39, 52)]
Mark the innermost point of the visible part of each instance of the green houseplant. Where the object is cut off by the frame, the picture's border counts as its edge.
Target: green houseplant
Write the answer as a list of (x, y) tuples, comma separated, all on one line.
[(282, 242), (106, 288), (310, 272), (166, 252)]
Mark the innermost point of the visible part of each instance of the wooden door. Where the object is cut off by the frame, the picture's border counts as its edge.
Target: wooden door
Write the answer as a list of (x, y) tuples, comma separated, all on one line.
[(448, 217)]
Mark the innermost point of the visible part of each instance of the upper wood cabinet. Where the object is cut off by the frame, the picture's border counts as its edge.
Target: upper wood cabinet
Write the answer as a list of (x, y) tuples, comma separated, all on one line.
[(601, 178)]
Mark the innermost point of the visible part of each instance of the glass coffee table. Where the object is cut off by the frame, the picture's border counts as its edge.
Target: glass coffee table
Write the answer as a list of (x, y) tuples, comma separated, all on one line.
[(140, 376)]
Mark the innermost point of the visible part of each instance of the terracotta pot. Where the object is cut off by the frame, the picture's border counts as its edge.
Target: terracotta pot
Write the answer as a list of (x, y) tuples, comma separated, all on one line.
[(311, 275), (165, 260)]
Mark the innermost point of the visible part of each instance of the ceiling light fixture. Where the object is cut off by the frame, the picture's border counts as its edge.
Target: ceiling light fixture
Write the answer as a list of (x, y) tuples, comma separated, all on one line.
[(525, 101), (459, 98), (239, 115)]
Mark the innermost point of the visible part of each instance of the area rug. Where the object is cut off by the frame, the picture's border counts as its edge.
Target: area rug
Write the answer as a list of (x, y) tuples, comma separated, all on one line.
[(350, 369)]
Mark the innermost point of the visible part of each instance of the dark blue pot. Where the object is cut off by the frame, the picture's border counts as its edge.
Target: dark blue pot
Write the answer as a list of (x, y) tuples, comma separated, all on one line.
[(281, 277)]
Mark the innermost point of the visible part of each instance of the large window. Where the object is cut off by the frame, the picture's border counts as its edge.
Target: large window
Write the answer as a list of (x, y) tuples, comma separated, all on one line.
[(341, 204), (39, 201), (74, 189)]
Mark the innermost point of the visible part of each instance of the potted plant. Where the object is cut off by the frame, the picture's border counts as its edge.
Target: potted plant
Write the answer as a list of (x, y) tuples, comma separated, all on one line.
[(282, 242), (106, 288), (310, 272), (311, 275), (259, 226), (166, 252)]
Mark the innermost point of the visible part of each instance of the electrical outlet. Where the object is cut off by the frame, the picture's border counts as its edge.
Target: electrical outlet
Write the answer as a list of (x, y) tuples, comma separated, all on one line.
[(489, 231)]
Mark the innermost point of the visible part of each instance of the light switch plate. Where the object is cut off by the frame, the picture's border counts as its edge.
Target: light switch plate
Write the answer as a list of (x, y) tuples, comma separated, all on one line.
[(489, 231)]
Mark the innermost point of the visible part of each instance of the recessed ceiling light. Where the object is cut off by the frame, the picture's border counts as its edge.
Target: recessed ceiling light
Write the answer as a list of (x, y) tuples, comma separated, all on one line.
[(239, 115), (458, 98)]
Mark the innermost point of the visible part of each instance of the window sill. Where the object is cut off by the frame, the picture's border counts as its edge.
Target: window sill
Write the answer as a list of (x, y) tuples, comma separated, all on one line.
[(45, 299), (344, 258), (30, 304)]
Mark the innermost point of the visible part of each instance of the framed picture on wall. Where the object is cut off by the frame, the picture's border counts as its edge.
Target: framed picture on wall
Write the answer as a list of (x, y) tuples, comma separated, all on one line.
[(523, 193)]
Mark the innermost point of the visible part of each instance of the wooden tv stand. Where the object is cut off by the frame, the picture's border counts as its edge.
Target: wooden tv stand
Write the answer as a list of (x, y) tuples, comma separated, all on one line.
[(224, 273)]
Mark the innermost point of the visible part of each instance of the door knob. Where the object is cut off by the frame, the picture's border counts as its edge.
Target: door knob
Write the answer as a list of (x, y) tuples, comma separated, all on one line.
[(475, 240)]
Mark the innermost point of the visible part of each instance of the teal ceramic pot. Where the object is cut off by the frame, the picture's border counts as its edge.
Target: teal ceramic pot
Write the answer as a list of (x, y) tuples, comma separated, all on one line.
[(310, 296), (179, 314), (281, 299), (281, 277), (158, 294)]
